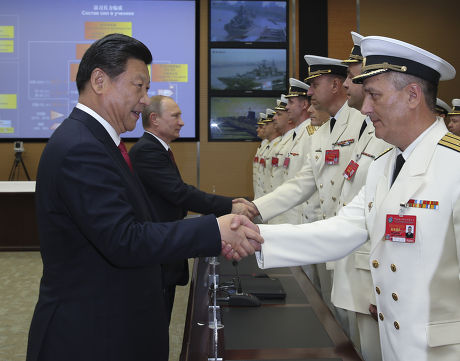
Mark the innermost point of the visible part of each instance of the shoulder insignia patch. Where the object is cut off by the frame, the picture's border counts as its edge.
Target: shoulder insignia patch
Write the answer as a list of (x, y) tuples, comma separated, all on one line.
[(311, 129), (451, 141), (386, 151)]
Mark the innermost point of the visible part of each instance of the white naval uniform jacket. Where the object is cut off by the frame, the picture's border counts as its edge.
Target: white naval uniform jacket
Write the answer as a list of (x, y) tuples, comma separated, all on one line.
[(281, 151), (267, 170), (315, 174), (352, 287), (255, 166), (297, 157), (277, 171), (258, 191), (417, 285)]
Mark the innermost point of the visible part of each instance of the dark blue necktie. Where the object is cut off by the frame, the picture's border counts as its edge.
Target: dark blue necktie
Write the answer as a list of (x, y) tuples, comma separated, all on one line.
[(399, 164)]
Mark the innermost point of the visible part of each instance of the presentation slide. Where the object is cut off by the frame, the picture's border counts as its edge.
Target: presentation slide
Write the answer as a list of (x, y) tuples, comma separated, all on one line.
[(42, 43)]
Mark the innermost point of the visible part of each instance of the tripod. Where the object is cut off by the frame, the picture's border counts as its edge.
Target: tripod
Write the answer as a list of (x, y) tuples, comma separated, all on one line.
[(14, 174)]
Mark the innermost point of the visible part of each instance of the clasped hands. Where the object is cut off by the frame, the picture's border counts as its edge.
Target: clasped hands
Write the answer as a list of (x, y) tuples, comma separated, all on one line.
[(240, 237), (244, 207)]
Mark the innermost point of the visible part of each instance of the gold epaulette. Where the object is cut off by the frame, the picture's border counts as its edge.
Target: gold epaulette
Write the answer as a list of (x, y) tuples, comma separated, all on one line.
[(451, 141), (386, 151), (311, 129)]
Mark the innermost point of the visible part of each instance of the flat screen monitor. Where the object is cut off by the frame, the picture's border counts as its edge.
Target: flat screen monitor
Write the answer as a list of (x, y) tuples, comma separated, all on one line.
[(248, 21), (42, 43), (248, 69), (235, 118)]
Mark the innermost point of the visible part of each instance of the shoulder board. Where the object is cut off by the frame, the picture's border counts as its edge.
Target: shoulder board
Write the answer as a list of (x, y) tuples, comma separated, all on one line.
[(451, 141), (386, 151), (311, 129)]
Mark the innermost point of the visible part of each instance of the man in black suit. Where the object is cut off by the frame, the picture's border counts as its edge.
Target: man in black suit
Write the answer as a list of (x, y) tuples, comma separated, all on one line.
[(101, 294), (154, 163)]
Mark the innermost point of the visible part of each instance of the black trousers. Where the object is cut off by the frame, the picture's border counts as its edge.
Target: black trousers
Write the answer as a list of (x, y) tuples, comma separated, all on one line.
[(168, 295)]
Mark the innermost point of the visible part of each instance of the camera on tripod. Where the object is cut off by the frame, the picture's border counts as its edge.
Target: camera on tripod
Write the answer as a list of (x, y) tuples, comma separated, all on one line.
[(18, 162), (18, 146)]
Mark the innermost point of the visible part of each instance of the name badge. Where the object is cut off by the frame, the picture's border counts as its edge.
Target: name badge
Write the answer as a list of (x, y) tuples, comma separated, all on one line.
[(256, 159), (275, 161), (350, 170), (286, 162), (332, 156), (400, 228)]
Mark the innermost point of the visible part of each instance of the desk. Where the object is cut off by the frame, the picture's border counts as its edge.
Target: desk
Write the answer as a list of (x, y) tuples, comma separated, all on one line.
[(18, 223), (301, 327)]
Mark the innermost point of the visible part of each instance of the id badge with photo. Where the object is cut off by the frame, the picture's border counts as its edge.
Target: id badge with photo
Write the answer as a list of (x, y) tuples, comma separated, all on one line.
[(350, 170), (400, 228), (332, 156)]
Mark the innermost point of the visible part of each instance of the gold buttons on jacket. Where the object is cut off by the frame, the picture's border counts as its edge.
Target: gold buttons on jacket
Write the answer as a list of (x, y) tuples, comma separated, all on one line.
[(393, 267), (381, 316), (395, 296), (334, 199), (377, 290), (322, 201), (316, 157), (332, 182), (396, 325), (321, 185), (324, 216), (375, 263)]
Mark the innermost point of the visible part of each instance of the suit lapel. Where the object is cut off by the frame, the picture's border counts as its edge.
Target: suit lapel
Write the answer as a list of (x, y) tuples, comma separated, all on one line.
[(132, 180), (150, 138)]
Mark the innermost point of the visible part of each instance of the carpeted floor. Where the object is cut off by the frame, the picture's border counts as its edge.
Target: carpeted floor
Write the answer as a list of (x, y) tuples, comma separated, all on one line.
[(20, 274)]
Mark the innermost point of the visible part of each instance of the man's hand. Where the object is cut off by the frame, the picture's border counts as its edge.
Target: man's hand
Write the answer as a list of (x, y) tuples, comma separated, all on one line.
[(244, 207), (241, 234)]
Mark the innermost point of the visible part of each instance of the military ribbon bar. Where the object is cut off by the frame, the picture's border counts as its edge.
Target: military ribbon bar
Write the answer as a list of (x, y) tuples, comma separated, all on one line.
[(418, 203), (344, 142)]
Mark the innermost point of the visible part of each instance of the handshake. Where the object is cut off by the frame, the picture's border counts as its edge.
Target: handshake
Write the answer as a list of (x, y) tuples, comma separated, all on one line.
[(240, 237)]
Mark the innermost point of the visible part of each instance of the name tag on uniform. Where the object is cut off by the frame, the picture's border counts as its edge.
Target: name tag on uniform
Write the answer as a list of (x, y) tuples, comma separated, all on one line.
[(286, 162), (275, 161), (350, 170), (256, 159), (400, 228), (332, 156)]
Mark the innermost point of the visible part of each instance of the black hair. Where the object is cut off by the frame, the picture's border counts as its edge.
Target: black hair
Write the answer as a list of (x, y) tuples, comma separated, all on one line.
[(110, 54)]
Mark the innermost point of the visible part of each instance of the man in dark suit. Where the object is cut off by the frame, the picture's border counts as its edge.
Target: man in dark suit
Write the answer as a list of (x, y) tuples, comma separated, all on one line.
[(100, 294), (154, 162)]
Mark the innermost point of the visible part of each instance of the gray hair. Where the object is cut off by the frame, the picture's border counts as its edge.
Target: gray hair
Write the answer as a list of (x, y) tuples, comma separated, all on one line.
[(429, 89), (155, 106)]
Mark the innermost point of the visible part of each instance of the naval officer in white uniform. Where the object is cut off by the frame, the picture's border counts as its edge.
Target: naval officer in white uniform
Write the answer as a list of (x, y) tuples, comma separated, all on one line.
[(417, 184)]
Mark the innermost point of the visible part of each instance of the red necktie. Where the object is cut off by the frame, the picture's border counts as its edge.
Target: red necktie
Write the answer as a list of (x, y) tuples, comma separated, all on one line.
[(125, 154), (171, 155)]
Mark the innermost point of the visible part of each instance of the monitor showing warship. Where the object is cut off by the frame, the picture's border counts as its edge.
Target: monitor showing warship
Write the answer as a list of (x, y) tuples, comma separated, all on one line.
[(248, 21), (248, 69), (236, 118)]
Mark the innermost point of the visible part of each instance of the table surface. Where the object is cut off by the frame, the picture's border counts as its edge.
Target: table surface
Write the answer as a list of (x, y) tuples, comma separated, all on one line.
[(300, 327), (17, 186)]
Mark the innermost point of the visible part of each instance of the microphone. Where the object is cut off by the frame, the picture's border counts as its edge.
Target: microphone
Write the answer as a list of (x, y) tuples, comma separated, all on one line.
[(239, 288), (239, 298)]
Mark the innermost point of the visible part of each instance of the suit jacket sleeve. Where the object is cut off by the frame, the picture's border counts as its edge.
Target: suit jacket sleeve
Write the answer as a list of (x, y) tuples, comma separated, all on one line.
[(327, 240), (100, 203), (160, 176)]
